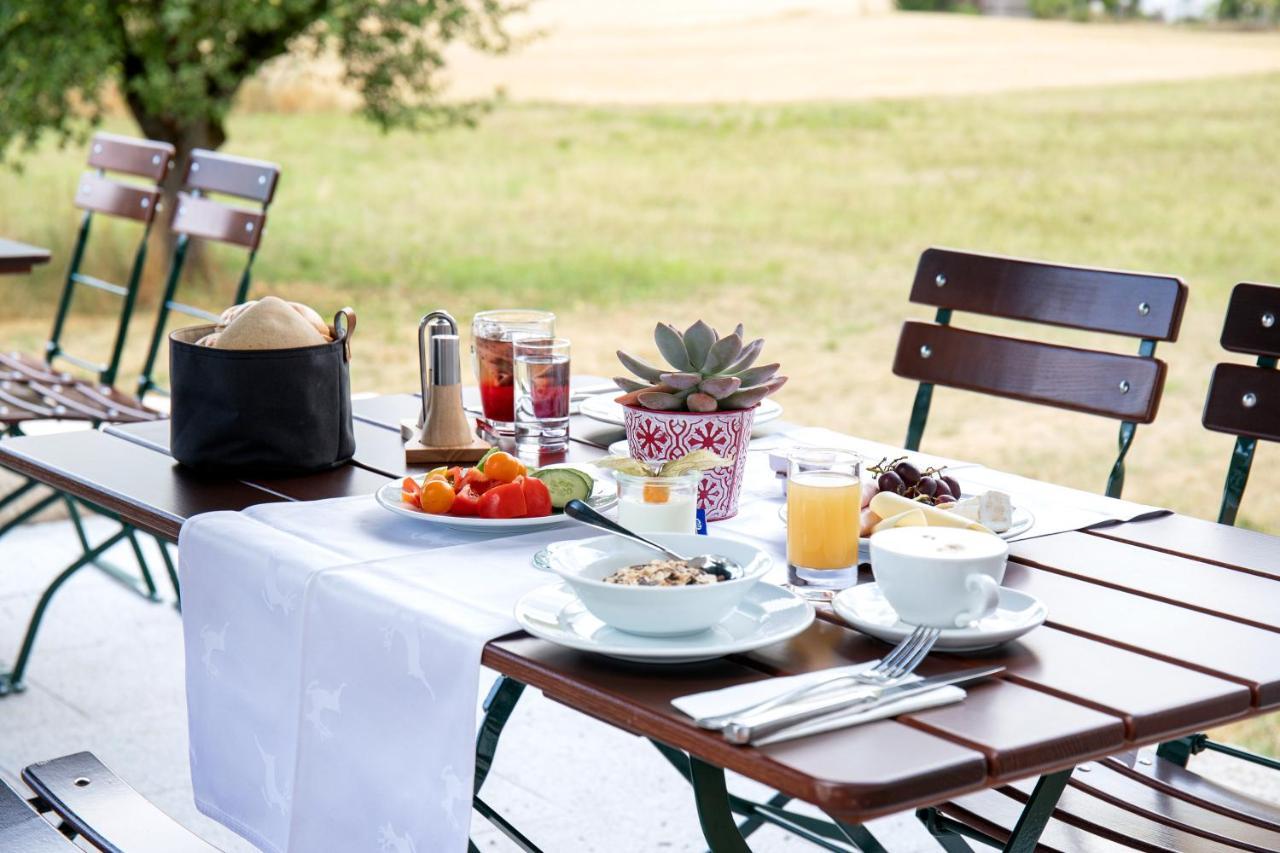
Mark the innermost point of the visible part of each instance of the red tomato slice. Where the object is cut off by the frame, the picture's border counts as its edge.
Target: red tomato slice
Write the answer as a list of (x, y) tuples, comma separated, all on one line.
[(410, 491), (455, 477), (478, 481), (465, 502), (504, 501), (537, 499)]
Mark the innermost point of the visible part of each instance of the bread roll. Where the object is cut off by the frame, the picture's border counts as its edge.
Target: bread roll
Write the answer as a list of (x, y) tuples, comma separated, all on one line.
[(270, 323), (209, 340), (305, 311), (233, 312)]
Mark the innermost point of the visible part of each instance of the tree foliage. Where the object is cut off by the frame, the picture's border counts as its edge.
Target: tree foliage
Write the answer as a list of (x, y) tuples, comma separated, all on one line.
[(179, 63)]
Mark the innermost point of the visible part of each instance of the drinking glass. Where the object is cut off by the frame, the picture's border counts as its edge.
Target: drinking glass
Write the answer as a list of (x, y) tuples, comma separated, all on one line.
[(542, 393), (491, 335), (658, 504), (824, 510)]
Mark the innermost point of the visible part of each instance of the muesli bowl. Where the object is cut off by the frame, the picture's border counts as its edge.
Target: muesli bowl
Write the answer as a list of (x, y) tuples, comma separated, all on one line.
[(655, 611)]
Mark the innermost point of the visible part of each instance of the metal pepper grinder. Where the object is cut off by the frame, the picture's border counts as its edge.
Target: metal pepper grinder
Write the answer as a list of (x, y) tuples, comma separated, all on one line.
[(432, 324), (447, 425)]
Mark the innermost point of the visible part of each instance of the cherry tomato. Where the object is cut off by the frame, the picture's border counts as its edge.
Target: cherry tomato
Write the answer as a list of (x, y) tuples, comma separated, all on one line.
[(504, 467), (537, 499), (504, 501), (437, 496), (465, 502)]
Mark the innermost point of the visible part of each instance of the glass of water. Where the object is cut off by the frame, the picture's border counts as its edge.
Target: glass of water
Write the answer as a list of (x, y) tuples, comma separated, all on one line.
[(542, 393)]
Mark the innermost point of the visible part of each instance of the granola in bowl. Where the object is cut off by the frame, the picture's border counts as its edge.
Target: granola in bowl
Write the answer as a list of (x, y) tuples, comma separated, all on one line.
[(661, 573)]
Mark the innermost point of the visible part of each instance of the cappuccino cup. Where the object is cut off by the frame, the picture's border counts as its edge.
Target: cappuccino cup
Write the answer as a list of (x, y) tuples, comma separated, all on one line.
[(939, 577)]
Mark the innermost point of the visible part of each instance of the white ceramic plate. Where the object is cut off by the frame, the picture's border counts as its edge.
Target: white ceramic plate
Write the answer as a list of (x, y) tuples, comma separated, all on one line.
[(1022, 521), (603, 497), (864, 607), (768, 614), (603, 408)]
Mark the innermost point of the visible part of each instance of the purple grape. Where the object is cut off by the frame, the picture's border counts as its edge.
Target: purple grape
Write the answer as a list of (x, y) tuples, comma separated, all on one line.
[(954, 486), (909, 473), (927, 486), (890, 482), (941, 490)]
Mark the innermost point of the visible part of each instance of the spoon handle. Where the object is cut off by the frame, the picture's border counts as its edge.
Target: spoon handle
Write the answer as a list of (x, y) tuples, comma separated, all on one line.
[(579, 511)]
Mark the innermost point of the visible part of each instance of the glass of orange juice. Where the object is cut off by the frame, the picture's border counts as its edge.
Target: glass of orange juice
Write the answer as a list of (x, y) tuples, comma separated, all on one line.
[(824, 506)]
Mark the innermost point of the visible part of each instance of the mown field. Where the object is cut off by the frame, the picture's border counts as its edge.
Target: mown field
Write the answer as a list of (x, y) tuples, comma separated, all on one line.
[(804, 221)]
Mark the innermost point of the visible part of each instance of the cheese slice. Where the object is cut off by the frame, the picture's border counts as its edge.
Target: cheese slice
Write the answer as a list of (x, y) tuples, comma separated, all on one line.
[(910, 518), (886, 505)]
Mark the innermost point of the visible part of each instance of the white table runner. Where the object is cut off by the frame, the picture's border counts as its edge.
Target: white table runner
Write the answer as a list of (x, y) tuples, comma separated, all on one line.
[(332, 688)]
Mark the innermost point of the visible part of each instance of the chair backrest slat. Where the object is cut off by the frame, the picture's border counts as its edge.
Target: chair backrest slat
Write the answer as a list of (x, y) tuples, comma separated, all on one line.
[(212, 220), (238, 176), (1244, 400), (1125, 303), (22, 829), (1124, 387), (1253, 320), (145, 158), (103, 195)]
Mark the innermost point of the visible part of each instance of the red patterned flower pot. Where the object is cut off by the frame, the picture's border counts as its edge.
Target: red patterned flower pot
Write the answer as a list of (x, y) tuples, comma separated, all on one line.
[(658, 436)]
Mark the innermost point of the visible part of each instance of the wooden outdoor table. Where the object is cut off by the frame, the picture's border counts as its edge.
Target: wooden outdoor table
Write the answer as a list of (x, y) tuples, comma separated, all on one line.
[(1156, 629), (18, 257)]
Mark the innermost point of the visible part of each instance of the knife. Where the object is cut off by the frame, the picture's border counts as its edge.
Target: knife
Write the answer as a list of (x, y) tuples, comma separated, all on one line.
[(748, 730)]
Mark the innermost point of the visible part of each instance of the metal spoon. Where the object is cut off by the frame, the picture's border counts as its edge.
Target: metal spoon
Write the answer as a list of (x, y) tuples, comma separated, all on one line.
[(722, 567)]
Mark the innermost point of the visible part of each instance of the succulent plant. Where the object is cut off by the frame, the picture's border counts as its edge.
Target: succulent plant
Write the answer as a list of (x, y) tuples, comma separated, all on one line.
[(705, 373)]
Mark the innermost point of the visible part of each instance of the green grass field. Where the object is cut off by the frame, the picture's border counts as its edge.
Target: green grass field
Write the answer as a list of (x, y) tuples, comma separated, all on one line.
[(804, 221)]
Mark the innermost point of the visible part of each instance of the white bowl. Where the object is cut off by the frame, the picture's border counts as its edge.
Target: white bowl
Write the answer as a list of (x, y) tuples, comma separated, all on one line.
[(655, 611)]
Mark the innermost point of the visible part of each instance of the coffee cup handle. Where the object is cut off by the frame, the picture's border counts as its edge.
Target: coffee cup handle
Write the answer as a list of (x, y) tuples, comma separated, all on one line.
[(984, 596)]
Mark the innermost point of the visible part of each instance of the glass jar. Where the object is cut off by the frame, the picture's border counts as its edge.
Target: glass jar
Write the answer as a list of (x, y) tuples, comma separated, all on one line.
[(658, 504)]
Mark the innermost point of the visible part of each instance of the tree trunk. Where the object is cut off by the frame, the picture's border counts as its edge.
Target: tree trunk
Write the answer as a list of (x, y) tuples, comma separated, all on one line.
[(185, 135)]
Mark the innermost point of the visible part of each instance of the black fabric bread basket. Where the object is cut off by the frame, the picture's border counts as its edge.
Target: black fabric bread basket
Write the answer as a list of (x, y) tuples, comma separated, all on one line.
[(263, 412)]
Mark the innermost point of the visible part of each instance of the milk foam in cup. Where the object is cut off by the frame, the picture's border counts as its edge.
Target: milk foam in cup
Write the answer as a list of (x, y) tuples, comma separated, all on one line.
[(937, 576)]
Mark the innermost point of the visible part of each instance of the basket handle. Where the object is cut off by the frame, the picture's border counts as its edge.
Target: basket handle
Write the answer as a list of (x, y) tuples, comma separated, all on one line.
[(344, 326)]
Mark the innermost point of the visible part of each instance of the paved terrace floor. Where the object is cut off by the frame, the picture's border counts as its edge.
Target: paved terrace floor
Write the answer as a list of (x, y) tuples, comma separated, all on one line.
[(108, 677)]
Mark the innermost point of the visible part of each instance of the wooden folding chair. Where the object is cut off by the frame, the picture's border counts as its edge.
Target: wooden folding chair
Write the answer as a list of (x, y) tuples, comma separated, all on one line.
[(35, 387), (195, 216), (1123, 387), (1147, 799), (90, 802)]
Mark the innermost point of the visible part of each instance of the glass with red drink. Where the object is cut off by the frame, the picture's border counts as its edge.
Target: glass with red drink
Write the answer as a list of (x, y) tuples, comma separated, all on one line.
[(491, 335), (542, 394)]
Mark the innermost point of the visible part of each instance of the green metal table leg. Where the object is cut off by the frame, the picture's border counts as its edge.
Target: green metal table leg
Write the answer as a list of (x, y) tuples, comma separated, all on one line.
[(18, 492), (76, 521), (504, 826), (12, 681), (498, 706), (172, 570), (28, 513), (143, 583), (1036, 813), (860, 837), (948, 838), (712, 799), (148, 582)]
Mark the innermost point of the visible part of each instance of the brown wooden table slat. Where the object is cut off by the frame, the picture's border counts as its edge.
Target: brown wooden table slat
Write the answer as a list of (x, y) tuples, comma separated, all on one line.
[(868, 770), (18, 257), (344, 481), (1153, 699), (1242, 596), (1222, 544), (146, 488), (1186, 637)]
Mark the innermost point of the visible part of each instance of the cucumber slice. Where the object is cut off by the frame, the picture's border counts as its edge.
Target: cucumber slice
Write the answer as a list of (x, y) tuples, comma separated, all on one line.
[(564, 484), (587, 479)]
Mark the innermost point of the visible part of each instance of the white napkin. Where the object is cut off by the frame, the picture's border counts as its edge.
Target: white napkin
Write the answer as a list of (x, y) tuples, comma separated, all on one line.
[(728, 699)]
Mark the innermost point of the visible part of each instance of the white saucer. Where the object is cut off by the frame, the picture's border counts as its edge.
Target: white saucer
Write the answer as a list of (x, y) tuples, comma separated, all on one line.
[(767, 615), (864, 607), (603, 408)]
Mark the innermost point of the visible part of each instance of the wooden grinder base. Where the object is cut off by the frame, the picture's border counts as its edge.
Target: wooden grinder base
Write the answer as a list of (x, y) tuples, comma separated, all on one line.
[(415, 453)]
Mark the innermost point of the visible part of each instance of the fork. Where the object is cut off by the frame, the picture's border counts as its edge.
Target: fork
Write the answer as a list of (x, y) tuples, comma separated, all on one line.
[(893, 667)]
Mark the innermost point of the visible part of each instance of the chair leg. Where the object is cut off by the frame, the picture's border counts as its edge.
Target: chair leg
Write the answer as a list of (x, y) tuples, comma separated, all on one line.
[(948, 839), (18, 492), (28, 513), (12, 681)]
